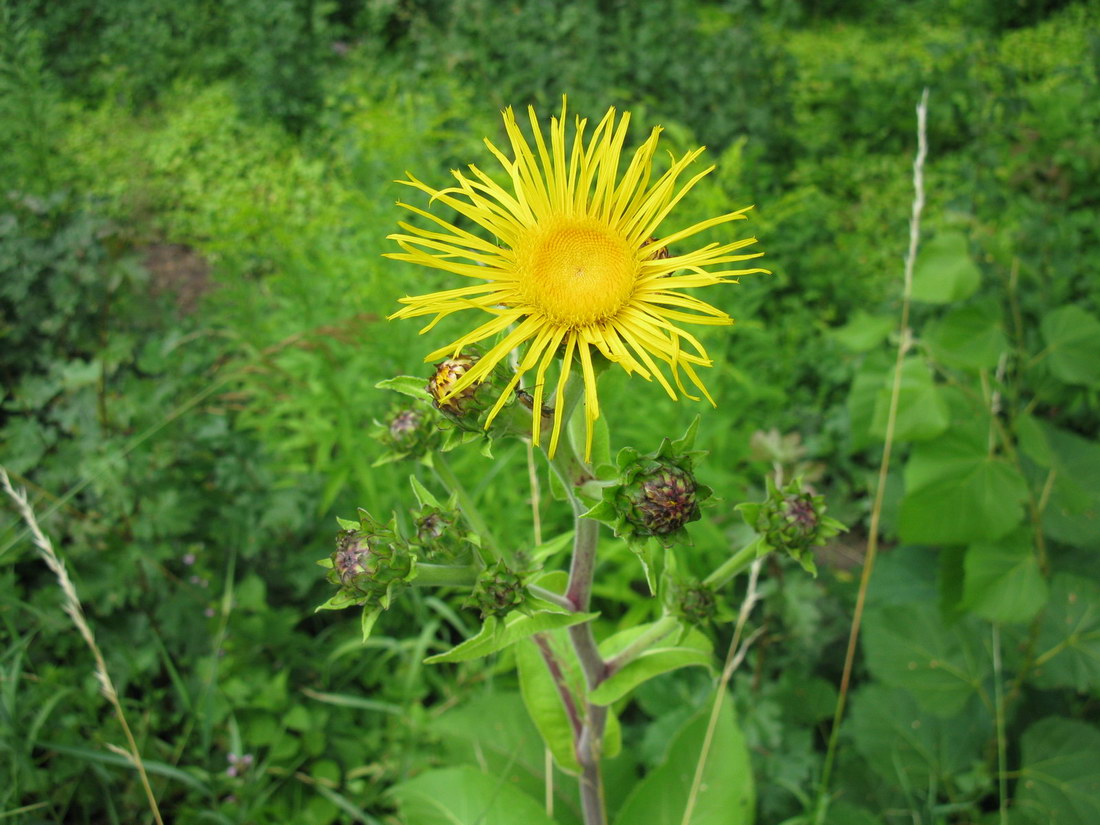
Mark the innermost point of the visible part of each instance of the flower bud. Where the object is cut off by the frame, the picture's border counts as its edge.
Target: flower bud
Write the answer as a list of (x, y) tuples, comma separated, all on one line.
[(655, 495), (498, 591), (662, 500), (792, 520), (371, 563), (693, 601), (446, 375)]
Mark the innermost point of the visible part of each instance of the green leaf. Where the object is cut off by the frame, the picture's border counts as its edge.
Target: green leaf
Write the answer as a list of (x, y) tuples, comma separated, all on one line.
[(496, 635), (494, 732), (726, 794), (544, 702), (922, 411), (370, 616), (1067, 653), (911, 748), (410, 385), (1002, 580), (970, 337), (944, 271), (465, 796), (1072, 514), (645, 667), (910, 647), (423, 495), (957, 493), (864, 332), (1072, 337), (1059, 775)]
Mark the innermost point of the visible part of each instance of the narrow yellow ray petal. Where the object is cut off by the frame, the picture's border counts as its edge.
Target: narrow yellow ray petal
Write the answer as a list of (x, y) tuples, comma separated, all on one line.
[(559, 402)]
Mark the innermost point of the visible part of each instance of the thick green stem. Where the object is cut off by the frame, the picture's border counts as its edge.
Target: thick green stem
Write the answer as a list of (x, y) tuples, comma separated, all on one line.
[(444, 575), (468, 507), (735, 564)]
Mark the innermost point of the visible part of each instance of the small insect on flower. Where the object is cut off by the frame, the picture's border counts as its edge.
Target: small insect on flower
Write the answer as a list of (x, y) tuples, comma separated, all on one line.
[(573, 263)]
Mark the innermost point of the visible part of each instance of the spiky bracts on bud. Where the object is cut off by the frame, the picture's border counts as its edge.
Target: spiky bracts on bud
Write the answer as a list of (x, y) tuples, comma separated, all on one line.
[(791, 520), (693, 601), (409, 431), (371, 563), (499, 590), (655, 495)]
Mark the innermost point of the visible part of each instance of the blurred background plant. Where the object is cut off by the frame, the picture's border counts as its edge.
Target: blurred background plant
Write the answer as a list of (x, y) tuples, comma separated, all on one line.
[(193, 203)]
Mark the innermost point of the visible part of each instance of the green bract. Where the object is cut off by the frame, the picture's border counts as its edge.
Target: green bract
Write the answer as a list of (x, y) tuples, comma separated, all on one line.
[(655, 495)]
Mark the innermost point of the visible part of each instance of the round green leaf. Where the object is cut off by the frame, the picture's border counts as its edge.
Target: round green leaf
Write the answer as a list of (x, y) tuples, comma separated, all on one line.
[(1068, 648), (909, 646), (726, 795), (970, 337), (922, 411), (957, 493), (1059, 778), (1002, 581), (465, 796), (944, 271), (1072, 337)]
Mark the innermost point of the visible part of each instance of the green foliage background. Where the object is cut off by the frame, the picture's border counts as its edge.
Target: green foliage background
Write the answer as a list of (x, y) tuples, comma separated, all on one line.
[(194, 199)]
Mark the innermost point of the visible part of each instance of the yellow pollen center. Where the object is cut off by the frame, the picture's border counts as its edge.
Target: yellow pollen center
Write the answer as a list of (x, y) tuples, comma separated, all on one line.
[(576, 272)]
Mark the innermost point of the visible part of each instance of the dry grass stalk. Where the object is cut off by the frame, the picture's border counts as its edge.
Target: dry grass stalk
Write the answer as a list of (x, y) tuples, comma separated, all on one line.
[(75, 612)]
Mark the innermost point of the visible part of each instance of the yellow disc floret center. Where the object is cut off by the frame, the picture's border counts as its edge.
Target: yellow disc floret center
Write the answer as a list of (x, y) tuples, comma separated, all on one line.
[(576, 272)]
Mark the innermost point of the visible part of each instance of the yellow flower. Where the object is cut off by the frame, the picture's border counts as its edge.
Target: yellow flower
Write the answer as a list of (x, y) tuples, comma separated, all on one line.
[(575, 266)]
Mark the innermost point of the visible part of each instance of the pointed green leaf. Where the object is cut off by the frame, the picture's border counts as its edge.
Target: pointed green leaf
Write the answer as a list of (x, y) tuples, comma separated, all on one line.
[(645, 667), (544, 702), (465, 796), (370, 616), (944, 271), (516, 626), (410, 385), (725, 796)]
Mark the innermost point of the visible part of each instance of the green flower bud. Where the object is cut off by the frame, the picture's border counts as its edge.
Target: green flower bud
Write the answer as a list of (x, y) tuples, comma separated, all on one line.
[(693, 601), (408, 432), (498, 591), (792, 520), (655, 495), (371, 563), (662, 500)]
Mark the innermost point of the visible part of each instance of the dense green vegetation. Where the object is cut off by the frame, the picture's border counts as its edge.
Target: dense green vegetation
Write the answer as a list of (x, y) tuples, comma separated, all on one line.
[(194, 201)]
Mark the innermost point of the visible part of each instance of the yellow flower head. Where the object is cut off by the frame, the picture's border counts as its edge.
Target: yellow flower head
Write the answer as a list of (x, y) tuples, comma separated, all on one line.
[(575, 266)]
